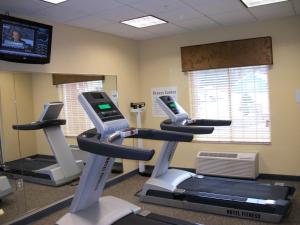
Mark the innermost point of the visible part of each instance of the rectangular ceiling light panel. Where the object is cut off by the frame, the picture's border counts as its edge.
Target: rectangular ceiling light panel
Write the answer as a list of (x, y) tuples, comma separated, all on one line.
[(145, 21), (253, 3), (54, 1)]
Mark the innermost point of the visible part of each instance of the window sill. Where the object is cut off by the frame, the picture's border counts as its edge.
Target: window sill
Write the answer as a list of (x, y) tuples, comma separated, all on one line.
[(71, 136), (232, 142)]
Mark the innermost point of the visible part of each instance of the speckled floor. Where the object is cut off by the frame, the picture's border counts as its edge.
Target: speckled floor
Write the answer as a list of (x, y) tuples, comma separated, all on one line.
[(129, 187)]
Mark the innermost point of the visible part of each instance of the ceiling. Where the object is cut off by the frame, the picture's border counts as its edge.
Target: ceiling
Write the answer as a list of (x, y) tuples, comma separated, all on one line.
[(182, 15)]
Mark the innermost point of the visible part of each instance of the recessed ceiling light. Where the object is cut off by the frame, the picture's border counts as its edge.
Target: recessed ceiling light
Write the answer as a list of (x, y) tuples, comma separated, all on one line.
[(252, 3), (55, 1), (145, 21)]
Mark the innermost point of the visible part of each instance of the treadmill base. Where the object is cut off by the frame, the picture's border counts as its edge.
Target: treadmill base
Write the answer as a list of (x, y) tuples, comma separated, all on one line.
[(106, 211), (50, 176), (115, 211), (233, 212)]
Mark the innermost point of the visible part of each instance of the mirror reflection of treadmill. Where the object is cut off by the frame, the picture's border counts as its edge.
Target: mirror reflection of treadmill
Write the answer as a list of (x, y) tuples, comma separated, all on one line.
[(66, 163), (56, 170)]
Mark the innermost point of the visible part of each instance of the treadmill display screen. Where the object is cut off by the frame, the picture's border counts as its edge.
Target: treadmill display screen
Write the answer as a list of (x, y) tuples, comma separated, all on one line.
[(172, 105), (104, 106)]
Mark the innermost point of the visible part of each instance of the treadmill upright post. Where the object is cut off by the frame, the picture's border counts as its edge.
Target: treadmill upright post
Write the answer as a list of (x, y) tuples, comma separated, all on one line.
[(61, 150), (165, 158)]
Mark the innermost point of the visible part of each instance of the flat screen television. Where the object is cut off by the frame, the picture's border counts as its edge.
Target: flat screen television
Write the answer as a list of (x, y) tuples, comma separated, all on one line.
[(24, 41)]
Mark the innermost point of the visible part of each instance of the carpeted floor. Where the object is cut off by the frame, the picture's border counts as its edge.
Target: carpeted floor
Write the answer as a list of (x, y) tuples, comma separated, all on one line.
[(32, 197), (128, 188)]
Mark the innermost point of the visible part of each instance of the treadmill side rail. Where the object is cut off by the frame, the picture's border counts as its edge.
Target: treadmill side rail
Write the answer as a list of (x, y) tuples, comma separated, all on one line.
[(215, 209)]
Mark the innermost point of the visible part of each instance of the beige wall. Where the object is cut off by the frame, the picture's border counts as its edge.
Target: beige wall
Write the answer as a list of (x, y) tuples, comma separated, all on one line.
[(25, 114), (161, 66), (16, 108), (156, 63), (43, 92), (80, 51), (9, 137)]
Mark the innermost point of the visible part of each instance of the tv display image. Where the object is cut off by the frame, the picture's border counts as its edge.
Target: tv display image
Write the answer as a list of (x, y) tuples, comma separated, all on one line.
[(24, 41)]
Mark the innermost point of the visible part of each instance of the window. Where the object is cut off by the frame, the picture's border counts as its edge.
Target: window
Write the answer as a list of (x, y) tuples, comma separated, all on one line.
[(239, 94), (77, 120)]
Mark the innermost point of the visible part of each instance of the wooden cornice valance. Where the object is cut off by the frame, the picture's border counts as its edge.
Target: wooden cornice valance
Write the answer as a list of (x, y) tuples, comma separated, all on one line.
[(238, 53), (70, 78)]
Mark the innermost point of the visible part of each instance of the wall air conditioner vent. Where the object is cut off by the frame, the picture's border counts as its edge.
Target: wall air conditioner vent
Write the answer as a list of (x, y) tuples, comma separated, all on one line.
[(228, 164), (221, 155)]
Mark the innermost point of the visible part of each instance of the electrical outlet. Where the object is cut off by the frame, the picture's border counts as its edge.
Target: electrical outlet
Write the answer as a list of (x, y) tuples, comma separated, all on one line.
[(19, 184)]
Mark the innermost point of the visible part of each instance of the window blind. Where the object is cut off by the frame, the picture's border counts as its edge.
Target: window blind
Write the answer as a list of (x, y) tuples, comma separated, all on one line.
[(238, 94), (77, 120)]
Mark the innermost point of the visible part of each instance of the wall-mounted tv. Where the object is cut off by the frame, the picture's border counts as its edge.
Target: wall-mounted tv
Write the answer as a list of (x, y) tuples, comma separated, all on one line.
[(24, 41)]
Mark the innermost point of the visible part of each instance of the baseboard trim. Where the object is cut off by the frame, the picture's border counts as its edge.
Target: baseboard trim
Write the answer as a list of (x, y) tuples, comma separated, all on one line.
[(54, 207), (278, 177)]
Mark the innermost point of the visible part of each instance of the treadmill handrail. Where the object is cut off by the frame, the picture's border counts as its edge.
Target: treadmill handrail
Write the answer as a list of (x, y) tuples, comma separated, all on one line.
[(208, 122), (38, 125), (186, 128), (92, 143), (163, 135)]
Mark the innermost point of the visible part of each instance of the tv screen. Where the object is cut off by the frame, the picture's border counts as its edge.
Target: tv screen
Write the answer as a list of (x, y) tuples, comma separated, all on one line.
[(24, 41)]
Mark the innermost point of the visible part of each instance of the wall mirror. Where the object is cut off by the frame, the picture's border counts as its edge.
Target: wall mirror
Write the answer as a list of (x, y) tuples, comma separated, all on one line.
[(28, 164)]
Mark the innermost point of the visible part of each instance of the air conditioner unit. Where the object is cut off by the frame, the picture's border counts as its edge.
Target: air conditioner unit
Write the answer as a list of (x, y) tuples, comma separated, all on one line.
[(228, 164)]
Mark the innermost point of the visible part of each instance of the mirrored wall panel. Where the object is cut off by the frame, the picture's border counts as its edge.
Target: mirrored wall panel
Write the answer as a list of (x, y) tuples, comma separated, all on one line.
[(40, 118)]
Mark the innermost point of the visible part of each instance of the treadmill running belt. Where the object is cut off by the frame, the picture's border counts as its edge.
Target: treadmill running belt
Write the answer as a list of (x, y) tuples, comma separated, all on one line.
[(235, 188), (31, 163), (152, 219)]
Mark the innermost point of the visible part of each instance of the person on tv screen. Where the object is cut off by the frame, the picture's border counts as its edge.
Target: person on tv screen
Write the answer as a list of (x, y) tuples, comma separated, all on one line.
[(16, 36)]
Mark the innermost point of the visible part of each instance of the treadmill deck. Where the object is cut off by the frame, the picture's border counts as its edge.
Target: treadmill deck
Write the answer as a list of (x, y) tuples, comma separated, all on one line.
[(231, 187), (31, 163)]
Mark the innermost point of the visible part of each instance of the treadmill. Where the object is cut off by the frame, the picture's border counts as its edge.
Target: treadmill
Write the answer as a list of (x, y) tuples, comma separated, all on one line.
[(54, 170), (104, 145), (231, 197)]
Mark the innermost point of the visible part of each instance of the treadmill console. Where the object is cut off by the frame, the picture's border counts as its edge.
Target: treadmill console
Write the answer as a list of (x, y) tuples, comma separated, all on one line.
[(103, 106), (173, 110), (170, 103)]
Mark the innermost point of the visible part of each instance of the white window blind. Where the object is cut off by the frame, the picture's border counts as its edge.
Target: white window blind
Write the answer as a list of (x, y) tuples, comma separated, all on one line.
[(238, 94), (77, 120)]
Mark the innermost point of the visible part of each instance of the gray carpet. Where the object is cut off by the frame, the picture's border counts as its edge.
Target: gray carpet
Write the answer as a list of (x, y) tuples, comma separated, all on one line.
[(32, 197), (128, 188)]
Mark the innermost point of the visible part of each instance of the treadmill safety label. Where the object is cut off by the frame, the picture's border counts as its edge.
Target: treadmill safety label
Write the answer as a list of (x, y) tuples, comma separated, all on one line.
[(160, 91)]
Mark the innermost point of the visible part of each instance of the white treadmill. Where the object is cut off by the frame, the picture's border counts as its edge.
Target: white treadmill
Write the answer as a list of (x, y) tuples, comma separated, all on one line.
[(43, 169), (5, 187), (183, 189), (104, 145)]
